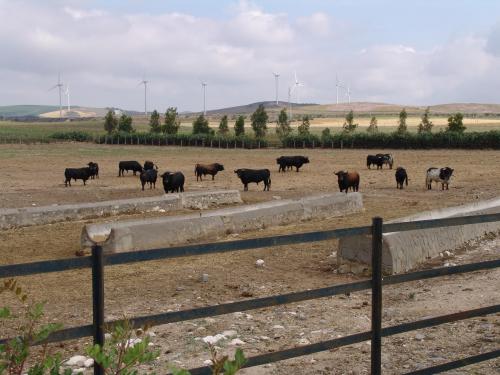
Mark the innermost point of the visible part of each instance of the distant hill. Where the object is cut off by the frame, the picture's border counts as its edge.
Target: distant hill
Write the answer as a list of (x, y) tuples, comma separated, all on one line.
[(25, 110), (250, 108), (321, 110)]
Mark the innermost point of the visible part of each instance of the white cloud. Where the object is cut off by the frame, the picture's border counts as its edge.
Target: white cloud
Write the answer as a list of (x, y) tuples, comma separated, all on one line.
[(78, 14), (317, 24), (103, 56)]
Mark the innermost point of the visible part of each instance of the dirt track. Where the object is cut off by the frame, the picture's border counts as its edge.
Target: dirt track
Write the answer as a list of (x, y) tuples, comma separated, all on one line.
[(35, 176)]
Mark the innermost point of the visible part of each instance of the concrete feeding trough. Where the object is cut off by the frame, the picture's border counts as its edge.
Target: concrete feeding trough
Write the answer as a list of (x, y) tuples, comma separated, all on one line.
[(153, 233), (403, 251), (22, 217)]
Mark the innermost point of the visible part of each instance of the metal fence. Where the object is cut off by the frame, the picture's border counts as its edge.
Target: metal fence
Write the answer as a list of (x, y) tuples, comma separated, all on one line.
[(97, 261)]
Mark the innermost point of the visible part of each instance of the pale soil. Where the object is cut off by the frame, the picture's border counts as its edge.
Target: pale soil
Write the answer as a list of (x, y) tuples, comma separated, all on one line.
[(34, 175)]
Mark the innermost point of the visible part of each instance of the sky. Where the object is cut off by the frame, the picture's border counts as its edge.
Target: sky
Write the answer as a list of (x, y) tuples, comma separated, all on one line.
[(419, 52)]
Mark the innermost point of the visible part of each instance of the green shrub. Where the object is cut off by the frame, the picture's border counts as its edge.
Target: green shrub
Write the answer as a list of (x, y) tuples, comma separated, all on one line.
[(77, 135)]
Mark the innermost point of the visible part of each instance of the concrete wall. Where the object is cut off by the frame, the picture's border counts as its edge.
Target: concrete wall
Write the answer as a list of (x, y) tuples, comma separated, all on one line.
[(403, 251), (13, 217), (176, 230)]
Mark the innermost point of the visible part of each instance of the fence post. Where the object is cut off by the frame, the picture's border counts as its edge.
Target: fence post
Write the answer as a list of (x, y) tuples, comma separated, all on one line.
[(376, 347), (98, 301)]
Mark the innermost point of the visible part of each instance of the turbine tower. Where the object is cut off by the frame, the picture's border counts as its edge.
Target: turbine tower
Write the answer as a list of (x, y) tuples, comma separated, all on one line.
[(66, 92), (290, 103), (337, 86), (297, 85), (145, 83), (276, 81), (59, 85), (348, 93), (204, 86)]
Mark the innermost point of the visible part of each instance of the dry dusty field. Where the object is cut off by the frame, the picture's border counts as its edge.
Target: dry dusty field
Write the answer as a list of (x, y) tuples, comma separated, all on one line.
[(34, 175)]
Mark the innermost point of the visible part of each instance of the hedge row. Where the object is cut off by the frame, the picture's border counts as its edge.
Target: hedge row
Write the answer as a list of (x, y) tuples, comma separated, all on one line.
[(472, 140), (156, 139)]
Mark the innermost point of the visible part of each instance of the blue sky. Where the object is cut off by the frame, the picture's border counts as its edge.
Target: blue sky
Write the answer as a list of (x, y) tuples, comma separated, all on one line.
[(418, 52)]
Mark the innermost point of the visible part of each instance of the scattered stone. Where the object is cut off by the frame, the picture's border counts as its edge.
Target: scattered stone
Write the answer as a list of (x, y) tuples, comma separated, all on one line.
[(301, 316), (259, 263), (180, 288), (204, 277), (213, 339), (88, 363), (419, 337), (278, 326), (276, 197), (208, 362), (230, 333), (78, 370), (303, 341), (236, 342), (77, 360)]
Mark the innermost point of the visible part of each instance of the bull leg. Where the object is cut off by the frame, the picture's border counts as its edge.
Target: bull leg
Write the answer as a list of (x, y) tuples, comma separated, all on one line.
[(297, 169), (84, 182), (213, 177), (245, 187)]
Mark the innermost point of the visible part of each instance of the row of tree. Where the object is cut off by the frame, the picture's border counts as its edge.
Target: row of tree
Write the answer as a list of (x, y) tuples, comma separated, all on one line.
[(259, 120)]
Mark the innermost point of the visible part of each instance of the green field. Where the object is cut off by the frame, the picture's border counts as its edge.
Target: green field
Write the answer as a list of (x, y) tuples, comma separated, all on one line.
[(17, 131)]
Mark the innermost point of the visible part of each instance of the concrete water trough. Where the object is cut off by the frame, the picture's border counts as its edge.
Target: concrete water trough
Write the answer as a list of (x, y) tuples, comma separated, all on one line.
[(403, 251), (21, 217), (152, 233)]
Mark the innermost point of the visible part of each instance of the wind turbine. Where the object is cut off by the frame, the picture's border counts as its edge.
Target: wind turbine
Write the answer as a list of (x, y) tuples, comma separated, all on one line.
[(59, 85), (337, 86), (348, 93), (145, 83), (66, 92), (204, 86), (297, 85), (290, 89), (276, 79)]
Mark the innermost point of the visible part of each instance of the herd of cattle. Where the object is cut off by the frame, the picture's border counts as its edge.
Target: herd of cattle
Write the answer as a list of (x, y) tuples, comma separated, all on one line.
[(174, 181)]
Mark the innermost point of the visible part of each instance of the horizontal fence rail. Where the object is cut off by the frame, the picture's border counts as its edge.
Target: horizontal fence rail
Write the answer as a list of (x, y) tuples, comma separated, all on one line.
[(219, 247), (97, 262)]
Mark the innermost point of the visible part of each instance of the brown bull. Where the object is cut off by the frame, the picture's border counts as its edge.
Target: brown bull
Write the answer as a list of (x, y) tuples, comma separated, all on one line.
[(348, 180), (204, 169)]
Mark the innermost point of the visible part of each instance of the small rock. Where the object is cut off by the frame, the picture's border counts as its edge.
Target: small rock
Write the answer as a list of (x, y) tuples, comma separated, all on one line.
[(208, 362), (78, 370), (162, 210), (236, 342), (88, 363), (303, 341), (213, 339), (419, 337), (180, 288), (230, 333), (259, 263), (276, 197), (75, 360), (204, 278), (301, 316)]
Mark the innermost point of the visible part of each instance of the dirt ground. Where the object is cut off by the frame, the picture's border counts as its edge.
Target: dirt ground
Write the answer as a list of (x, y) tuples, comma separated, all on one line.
[(35, 176)]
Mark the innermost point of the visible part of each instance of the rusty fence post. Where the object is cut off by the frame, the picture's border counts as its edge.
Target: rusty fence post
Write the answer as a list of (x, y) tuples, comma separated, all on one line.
[(98, 301), (376, 347)]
